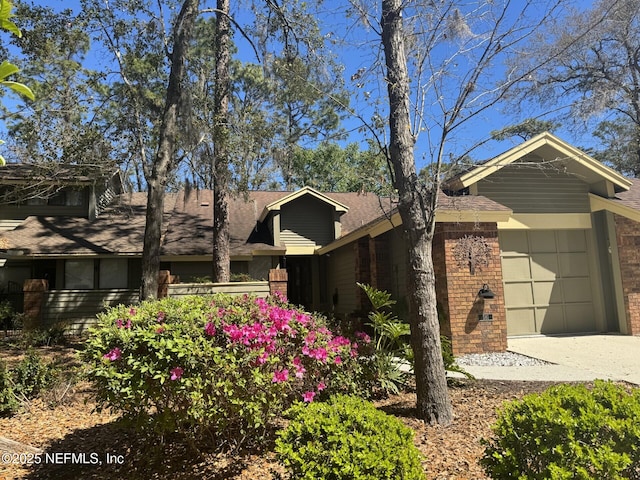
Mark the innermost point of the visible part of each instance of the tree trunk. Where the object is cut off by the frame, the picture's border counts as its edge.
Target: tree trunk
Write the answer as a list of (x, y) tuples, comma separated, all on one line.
[(221, 261), (152, 236), (417, 210), (164, 160)]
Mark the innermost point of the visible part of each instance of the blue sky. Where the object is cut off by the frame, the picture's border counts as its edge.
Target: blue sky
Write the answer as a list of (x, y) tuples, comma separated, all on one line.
[(360, 54)]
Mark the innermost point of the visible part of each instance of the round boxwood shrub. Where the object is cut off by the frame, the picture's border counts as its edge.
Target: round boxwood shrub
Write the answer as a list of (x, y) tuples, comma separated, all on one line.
[(222, 365), (568, 431), (347, 438)]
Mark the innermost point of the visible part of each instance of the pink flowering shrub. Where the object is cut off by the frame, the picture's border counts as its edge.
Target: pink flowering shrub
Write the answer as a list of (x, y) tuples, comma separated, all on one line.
[(221, 365)]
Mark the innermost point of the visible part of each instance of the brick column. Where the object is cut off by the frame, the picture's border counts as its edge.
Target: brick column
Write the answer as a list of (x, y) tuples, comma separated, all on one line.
[(278, 279), (628, 238), (34, 290), (164, 280), (632, 301), (475, 325)]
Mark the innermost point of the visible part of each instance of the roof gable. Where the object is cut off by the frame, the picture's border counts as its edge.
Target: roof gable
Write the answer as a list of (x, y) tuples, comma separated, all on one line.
[(277, 205), (547, 147)]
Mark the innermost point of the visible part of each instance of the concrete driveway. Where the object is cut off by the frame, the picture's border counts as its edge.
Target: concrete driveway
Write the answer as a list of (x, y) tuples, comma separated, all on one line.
[(572, 359), (614, 357)]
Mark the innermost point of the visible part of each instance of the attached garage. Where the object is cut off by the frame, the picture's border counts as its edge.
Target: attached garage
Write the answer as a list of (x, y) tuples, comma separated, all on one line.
[(548, 281), (569, 255)]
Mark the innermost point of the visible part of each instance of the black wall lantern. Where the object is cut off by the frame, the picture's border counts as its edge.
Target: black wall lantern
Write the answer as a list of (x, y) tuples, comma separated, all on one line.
[(486, 292)]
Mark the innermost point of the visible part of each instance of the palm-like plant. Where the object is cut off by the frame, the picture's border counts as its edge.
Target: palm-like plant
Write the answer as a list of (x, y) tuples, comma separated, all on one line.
[(393, 355)]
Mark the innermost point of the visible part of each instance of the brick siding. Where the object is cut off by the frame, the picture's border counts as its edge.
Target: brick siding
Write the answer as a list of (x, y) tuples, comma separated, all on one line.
[(278, 279), (456, 288), (457, 291)]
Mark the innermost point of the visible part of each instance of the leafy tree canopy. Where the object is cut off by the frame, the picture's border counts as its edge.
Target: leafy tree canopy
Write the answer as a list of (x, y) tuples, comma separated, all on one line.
[(591, 65), (620, 145), (526, 129), (7, 68), (331, 168)]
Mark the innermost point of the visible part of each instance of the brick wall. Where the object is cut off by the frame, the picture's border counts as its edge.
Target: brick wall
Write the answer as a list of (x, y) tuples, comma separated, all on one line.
[(278, 279), (457, 291), (456, 288), (628, 239), (440, 269), (34, 291)]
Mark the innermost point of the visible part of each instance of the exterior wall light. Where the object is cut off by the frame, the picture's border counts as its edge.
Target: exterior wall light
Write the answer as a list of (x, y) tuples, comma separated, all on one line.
[(486, 292)]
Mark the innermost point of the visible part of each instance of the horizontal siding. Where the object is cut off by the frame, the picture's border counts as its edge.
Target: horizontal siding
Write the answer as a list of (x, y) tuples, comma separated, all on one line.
[(306, 221), (341, 266), (259, 289), (259, 267), (536, 189), (78, 308), (9, 224)]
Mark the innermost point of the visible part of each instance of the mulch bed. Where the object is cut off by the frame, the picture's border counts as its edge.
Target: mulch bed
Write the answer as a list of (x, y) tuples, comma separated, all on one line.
[(75, 428)]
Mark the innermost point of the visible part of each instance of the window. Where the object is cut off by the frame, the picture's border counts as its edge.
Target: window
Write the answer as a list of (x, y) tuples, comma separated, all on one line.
[(73, 198), (238, 267), (64, 198), (57, 199), (36, 201), (113, 273), (78, 274)]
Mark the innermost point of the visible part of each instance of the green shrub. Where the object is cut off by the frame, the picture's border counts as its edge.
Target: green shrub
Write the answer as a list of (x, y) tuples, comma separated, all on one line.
[(56, 334), (40, 337), (32, 375), (390, 364), (450, 364), (242, 277), (6, 315), (8, 402), (24, 382), (222, 365), (391, 359), (568, 432), (347, 438)]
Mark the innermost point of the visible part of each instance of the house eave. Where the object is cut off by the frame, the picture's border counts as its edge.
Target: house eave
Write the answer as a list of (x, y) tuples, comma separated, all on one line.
[(598, 203), (566, 151), (387, 223)]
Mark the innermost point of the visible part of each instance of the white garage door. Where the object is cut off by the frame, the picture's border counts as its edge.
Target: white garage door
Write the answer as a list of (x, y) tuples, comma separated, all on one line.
[(547, 283)]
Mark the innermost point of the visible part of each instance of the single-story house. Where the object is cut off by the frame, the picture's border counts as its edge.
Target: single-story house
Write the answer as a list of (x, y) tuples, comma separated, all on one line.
[(549, 231)]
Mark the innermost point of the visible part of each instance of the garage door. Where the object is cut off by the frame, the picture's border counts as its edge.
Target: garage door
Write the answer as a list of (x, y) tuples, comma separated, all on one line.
[(547, 283)]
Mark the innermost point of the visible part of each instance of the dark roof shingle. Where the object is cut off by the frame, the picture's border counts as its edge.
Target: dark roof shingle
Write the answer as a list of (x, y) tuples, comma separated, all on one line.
[(188, 224)]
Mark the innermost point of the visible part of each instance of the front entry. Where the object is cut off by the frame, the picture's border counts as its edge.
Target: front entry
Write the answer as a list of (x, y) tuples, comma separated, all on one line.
[(547, 281), (300, 285)]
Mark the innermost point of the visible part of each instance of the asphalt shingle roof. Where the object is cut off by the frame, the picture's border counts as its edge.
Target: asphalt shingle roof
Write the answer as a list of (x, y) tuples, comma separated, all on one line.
[(188, 224), (631, 198), (119, 230)]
